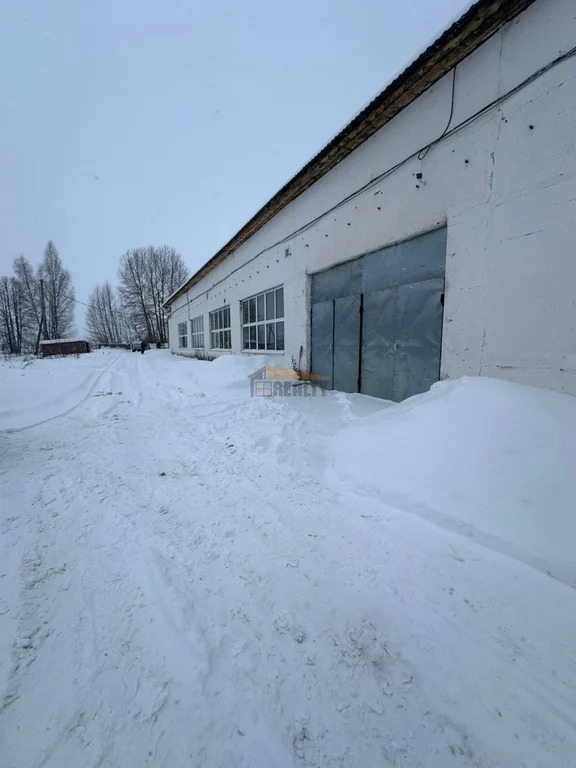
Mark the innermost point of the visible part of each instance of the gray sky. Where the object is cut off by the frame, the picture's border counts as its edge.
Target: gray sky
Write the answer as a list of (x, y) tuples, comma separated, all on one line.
[(136, 122)]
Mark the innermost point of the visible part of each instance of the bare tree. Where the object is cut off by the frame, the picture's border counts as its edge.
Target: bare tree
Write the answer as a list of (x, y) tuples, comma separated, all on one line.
[(31, 301), (147, 277), (11, 314), (133, 291), (95, 320), (105, 321), (58, 295)]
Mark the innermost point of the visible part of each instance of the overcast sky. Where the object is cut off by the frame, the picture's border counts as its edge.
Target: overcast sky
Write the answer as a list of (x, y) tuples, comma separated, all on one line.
[(135, 122)]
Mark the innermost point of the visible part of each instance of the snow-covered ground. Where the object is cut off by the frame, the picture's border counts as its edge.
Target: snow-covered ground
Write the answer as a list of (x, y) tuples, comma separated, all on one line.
[(192, 577)]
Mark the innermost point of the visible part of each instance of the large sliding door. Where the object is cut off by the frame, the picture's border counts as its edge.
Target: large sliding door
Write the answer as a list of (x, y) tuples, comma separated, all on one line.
[(377, 321), (346, 348), (323, 348), (378, 343)]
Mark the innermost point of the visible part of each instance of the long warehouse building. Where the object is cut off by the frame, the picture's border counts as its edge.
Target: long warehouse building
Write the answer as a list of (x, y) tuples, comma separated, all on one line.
[(433, 237)]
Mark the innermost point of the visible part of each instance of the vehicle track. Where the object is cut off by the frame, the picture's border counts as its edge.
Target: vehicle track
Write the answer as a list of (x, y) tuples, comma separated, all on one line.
[(113, 363)]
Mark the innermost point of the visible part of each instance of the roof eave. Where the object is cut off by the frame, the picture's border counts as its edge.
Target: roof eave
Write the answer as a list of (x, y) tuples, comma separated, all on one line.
[(474, 27)]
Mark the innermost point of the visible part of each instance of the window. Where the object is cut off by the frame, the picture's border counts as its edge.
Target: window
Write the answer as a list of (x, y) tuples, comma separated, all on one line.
[(197, 337), (263, 321), (182, 334), (220, 332)]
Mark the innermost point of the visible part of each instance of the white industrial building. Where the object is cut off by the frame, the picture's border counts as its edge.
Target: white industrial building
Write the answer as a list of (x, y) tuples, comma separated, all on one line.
[(434, 237)]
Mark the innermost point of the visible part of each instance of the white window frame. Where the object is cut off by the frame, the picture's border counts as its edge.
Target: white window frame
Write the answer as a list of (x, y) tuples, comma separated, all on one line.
[(220, 328), (263, 322), (197, 332), (183, 335)]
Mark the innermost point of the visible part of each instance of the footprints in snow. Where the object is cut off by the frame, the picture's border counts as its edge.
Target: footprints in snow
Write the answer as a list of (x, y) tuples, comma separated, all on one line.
[(34, 623), (286, 624)]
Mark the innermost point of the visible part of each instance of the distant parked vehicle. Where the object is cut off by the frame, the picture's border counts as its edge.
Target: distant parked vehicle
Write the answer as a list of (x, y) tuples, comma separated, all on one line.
[(135, 346)]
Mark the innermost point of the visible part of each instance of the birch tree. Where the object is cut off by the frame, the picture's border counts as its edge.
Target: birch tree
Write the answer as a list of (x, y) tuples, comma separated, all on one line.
[(58, 295), (105, 320), (147, 277), (11, 315), (31, 301)]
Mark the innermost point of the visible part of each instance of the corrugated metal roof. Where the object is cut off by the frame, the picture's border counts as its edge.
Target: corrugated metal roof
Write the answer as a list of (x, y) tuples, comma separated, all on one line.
[(473, 28)]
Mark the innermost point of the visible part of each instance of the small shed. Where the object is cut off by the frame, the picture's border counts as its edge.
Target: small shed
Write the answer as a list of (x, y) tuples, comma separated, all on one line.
[(63, 347)]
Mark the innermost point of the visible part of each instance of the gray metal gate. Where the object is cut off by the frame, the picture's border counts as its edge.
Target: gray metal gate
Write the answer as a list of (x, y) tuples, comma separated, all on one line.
[(377, 320)]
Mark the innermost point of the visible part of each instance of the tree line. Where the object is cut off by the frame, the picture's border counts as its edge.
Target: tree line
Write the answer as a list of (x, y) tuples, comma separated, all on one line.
[(133, 310), (36, 304)]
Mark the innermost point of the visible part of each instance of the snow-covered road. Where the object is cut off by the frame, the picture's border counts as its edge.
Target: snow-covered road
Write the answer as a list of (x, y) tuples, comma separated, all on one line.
[(187, 580)]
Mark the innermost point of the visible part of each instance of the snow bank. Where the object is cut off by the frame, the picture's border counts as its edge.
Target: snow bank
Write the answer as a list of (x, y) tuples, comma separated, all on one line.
[(226, 378), (490, 459), (231, 371)]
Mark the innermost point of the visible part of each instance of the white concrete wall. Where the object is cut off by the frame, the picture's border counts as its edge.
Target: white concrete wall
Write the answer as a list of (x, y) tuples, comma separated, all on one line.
[(506, 190)]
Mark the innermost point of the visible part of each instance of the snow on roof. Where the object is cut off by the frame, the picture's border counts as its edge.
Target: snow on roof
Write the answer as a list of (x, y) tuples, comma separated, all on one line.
[(63, 341)]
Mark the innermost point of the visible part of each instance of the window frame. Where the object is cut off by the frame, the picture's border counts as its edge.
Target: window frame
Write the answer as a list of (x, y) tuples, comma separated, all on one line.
[(197, 335), (260, 317), (219, 330), (183, 336)]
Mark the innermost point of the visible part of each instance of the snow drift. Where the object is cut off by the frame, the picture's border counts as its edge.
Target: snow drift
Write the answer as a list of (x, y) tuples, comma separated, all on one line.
[(487, 458), (230, 372)]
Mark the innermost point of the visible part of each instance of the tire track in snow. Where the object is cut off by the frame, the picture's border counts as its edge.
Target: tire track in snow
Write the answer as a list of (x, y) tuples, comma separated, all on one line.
[(13, 430), (104, 675)]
